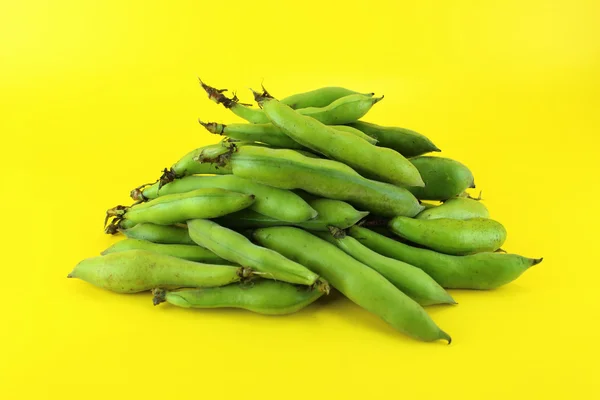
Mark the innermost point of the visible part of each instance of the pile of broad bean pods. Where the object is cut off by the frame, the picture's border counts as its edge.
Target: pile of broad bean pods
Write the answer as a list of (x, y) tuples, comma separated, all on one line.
[(303, 198)]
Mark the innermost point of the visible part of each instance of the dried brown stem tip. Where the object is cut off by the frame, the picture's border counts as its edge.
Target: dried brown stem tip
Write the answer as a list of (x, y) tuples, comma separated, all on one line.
[(158, 296), (212, 127), (337, 233), (260, 97), (168, 176), (218, 97)]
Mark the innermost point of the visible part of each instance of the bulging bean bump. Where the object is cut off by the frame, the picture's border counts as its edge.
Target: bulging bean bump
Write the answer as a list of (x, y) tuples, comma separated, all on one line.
[(260, 296), (378, 162), (178, 208), (477, 271), (361, 284), (321, 97), (135, 271), (456, 208), (184, 251), (444, 178), (405, 141), (287, 169), (276, 203), (451, 236), (236, 248), (412, 281)]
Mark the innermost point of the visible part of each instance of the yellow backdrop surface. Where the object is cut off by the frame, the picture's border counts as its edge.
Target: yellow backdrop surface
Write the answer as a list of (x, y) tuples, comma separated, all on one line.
[(97, 97)]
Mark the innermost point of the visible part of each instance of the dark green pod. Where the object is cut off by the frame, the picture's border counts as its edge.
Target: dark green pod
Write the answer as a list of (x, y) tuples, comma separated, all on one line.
[(444, 178), (261, 296), (404, 141), (476, 271)]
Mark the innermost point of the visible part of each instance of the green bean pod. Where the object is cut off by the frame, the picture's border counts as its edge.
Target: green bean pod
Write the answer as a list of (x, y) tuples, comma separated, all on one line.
[(276, 203), (456, 208), (451, 236), (330, 213), (179, 207), (321, 97), (262, 296), (361, 284), (404, 141), (165, 234), (287, 169), (412, 281), (378, 162), (270, 134), (476, 271), (185, 251), (444, 178), (135, 271), (236, 248)]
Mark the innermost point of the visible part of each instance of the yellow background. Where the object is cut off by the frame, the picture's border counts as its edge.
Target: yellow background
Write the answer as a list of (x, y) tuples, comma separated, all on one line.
[(97, 97)]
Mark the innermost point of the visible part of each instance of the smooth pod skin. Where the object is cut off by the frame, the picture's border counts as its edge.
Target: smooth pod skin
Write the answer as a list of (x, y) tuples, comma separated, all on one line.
[(276, 203), (404, 141), (456, 208), (262, 296), (185, 251), (361, 284), (270, 134), (166, 234), (199, 203), (381, 163), (444, 178), (330, 213), (476, 271), (412, 281), (287, 169), (135, 271), (451, 236), (321, 97), (236, 248)]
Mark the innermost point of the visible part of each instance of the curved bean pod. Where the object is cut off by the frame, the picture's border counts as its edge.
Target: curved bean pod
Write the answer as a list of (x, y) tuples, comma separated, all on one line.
[(184, 251), (140, 270), (404, 141), (451, 236), (276, 203), (456, 208), (330, 213), (287, 169), (361, 284), (234, 247), (412, 281), (165, 234), (444, 178), (379, 162), (262, 296), (177, 208), (321, 97), (476, 271)]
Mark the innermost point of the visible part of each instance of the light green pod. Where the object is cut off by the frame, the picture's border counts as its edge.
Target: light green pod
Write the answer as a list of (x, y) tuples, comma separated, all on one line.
[(444, 178), (380, 163), (361, 284), (166, 234), (185, 251), (236, 248), (412, 281), (187, 166), (276, 203), (180, 207), (287, 169), (330, 213), (135, 271), (451, 236), (321, 97), (456, 208), (404, 141), (262, 296), (476, 271), (269, 134)]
